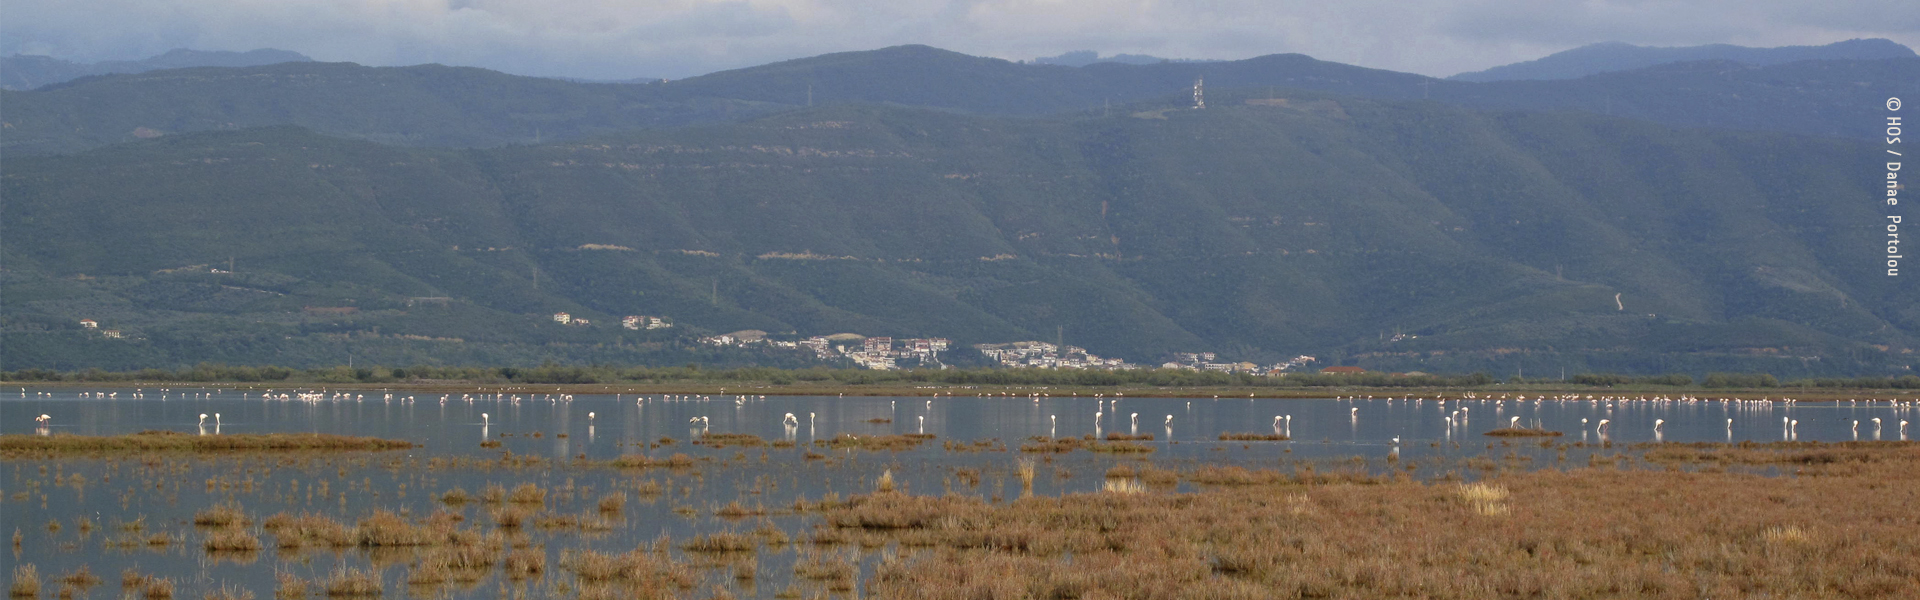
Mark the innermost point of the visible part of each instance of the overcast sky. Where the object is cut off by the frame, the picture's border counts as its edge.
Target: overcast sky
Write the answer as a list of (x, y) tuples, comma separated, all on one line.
[(677, 38)]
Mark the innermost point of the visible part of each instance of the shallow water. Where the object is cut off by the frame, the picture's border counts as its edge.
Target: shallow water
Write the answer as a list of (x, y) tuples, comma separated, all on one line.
[(1328, 433)]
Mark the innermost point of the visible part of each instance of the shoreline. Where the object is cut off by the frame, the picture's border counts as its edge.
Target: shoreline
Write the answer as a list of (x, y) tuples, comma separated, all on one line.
[(957, 391)]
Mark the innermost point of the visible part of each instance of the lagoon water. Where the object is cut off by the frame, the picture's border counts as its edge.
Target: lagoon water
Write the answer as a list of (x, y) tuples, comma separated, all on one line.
[(1327, 434)]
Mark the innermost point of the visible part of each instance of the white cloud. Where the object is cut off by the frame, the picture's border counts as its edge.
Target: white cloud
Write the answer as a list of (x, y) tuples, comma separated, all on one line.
[(675, 38)]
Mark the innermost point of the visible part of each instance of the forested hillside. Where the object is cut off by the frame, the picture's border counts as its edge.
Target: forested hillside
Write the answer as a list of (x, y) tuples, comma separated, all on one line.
[(1269, 224), (437, 106)]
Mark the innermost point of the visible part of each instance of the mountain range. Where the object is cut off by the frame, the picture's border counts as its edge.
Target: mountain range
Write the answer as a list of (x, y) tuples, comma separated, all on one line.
[(1368, 217), (1594, 59), (26, 71)]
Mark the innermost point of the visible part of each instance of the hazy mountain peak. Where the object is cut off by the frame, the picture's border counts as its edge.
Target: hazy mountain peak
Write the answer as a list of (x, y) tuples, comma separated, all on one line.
[(1616, 56), (25, 72)]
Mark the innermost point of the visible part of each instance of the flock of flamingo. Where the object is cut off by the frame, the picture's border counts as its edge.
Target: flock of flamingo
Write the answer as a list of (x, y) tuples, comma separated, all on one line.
[(1455, 411)]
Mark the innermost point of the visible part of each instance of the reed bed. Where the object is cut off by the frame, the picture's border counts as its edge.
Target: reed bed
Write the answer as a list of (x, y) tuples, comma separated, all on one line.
[(1522, 432), (16, 446), (722, 440), (1582, 533), (847, 441), (1253, 437)]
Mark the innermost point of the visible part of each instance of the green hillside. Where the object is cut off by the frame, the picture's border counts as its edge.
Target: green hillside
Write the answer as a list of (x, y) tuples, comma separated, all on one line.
[(1260, 228), (437, 106)]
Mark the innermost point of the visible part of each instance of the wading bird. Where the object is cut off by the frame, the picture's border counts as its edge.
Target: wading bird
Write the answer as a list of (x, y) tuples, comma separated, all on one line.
[(203, 418), (43, 420), (485, 420), (790, 420)]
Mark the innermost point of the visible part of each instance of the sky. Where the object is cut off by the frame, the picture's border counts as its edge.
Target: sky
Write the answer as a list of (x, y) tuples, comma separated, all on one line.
[(619, 39)]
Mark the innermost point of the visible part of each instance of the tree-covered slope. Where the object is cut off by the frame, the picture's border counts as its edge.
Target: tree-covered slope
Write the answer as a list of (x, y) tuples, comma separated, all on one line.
[(438, 106), (1259, 227)]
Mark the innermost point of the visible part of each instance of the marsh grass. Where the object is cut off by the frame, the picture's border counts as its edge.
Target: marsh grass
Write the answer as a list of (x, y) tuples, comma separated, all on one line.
[(613, 503), (82, 578), (157, 588), (288, 586), (1123, 437), (348, 582), (14, 446), (1522, 432), (228, 592), (26, 582), (1486, 499), (722, 440), (847, 441), (638, 461), (1580, 533), (1253, 437)]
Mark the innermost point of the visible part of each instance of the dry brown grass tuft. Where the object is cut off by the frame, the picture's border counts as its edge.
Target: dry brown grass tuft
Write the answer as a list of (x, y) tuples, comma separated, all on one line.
[(229, 593), (157, 588), (26, 582), (288, 586), (222, 515), (719, 542), (524, 563), (528, 493), (232, 540), (613, 503), (1123, 437), (348, 582), (847, 441)]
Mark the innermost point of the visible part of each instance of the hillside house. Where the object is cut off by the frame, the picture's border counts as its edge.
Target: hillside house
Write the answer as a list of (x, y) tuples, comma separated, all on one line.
[(112, 333), (89, 323), (562, 318)]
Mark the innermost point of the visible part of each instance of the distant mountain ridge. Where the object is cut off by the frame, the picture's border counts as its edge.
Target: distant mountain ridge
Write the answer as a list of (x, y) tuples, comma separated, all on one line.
[(434, 105), (26, 71), (1616, 56), (1081, 58)]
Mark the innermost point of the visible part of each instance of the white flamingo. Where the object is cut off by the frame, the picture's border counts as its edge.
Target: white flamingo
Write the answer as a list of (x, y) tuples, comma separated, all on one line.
[(203, 419), (485, 420), (43, 420), (790, 420)]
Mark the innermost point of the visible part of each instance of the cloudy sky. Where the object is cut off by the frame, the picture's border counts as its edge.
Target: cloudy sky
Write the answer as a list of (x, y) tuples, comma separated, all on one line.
[(677, 38)]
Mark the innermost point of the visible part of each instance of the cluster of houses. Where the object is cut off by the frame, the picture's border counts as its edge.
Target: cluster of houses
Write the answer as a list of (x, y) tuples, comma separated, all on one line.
[(634, 322), (1205, 361), (878, 353), (884, 353), (1048, 356), (93, 325)]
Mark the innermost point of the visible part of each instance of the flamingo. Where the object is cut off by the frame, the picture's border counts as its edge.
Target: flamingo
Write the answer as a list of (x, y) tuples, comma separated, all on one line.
[(1602, 426), (589, 417), (203, 419), (484, 420), (216, 419), (1169, 420), (790, 420), (43, 420), (1135, 418), (923, 423), (1396, 440), (1657, 423), (1513, 423)]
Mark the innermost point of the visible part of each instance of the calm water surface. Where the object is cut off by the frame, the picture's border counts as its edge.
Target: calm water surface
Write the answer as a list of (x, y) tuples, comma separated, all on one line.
[(1327, 433)]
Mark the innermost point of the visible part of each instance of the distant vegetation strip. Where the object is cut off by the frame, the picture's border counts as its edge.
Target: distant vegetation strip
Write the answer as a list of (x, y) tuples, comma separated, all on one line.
[(173, 441), (556, 374)]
